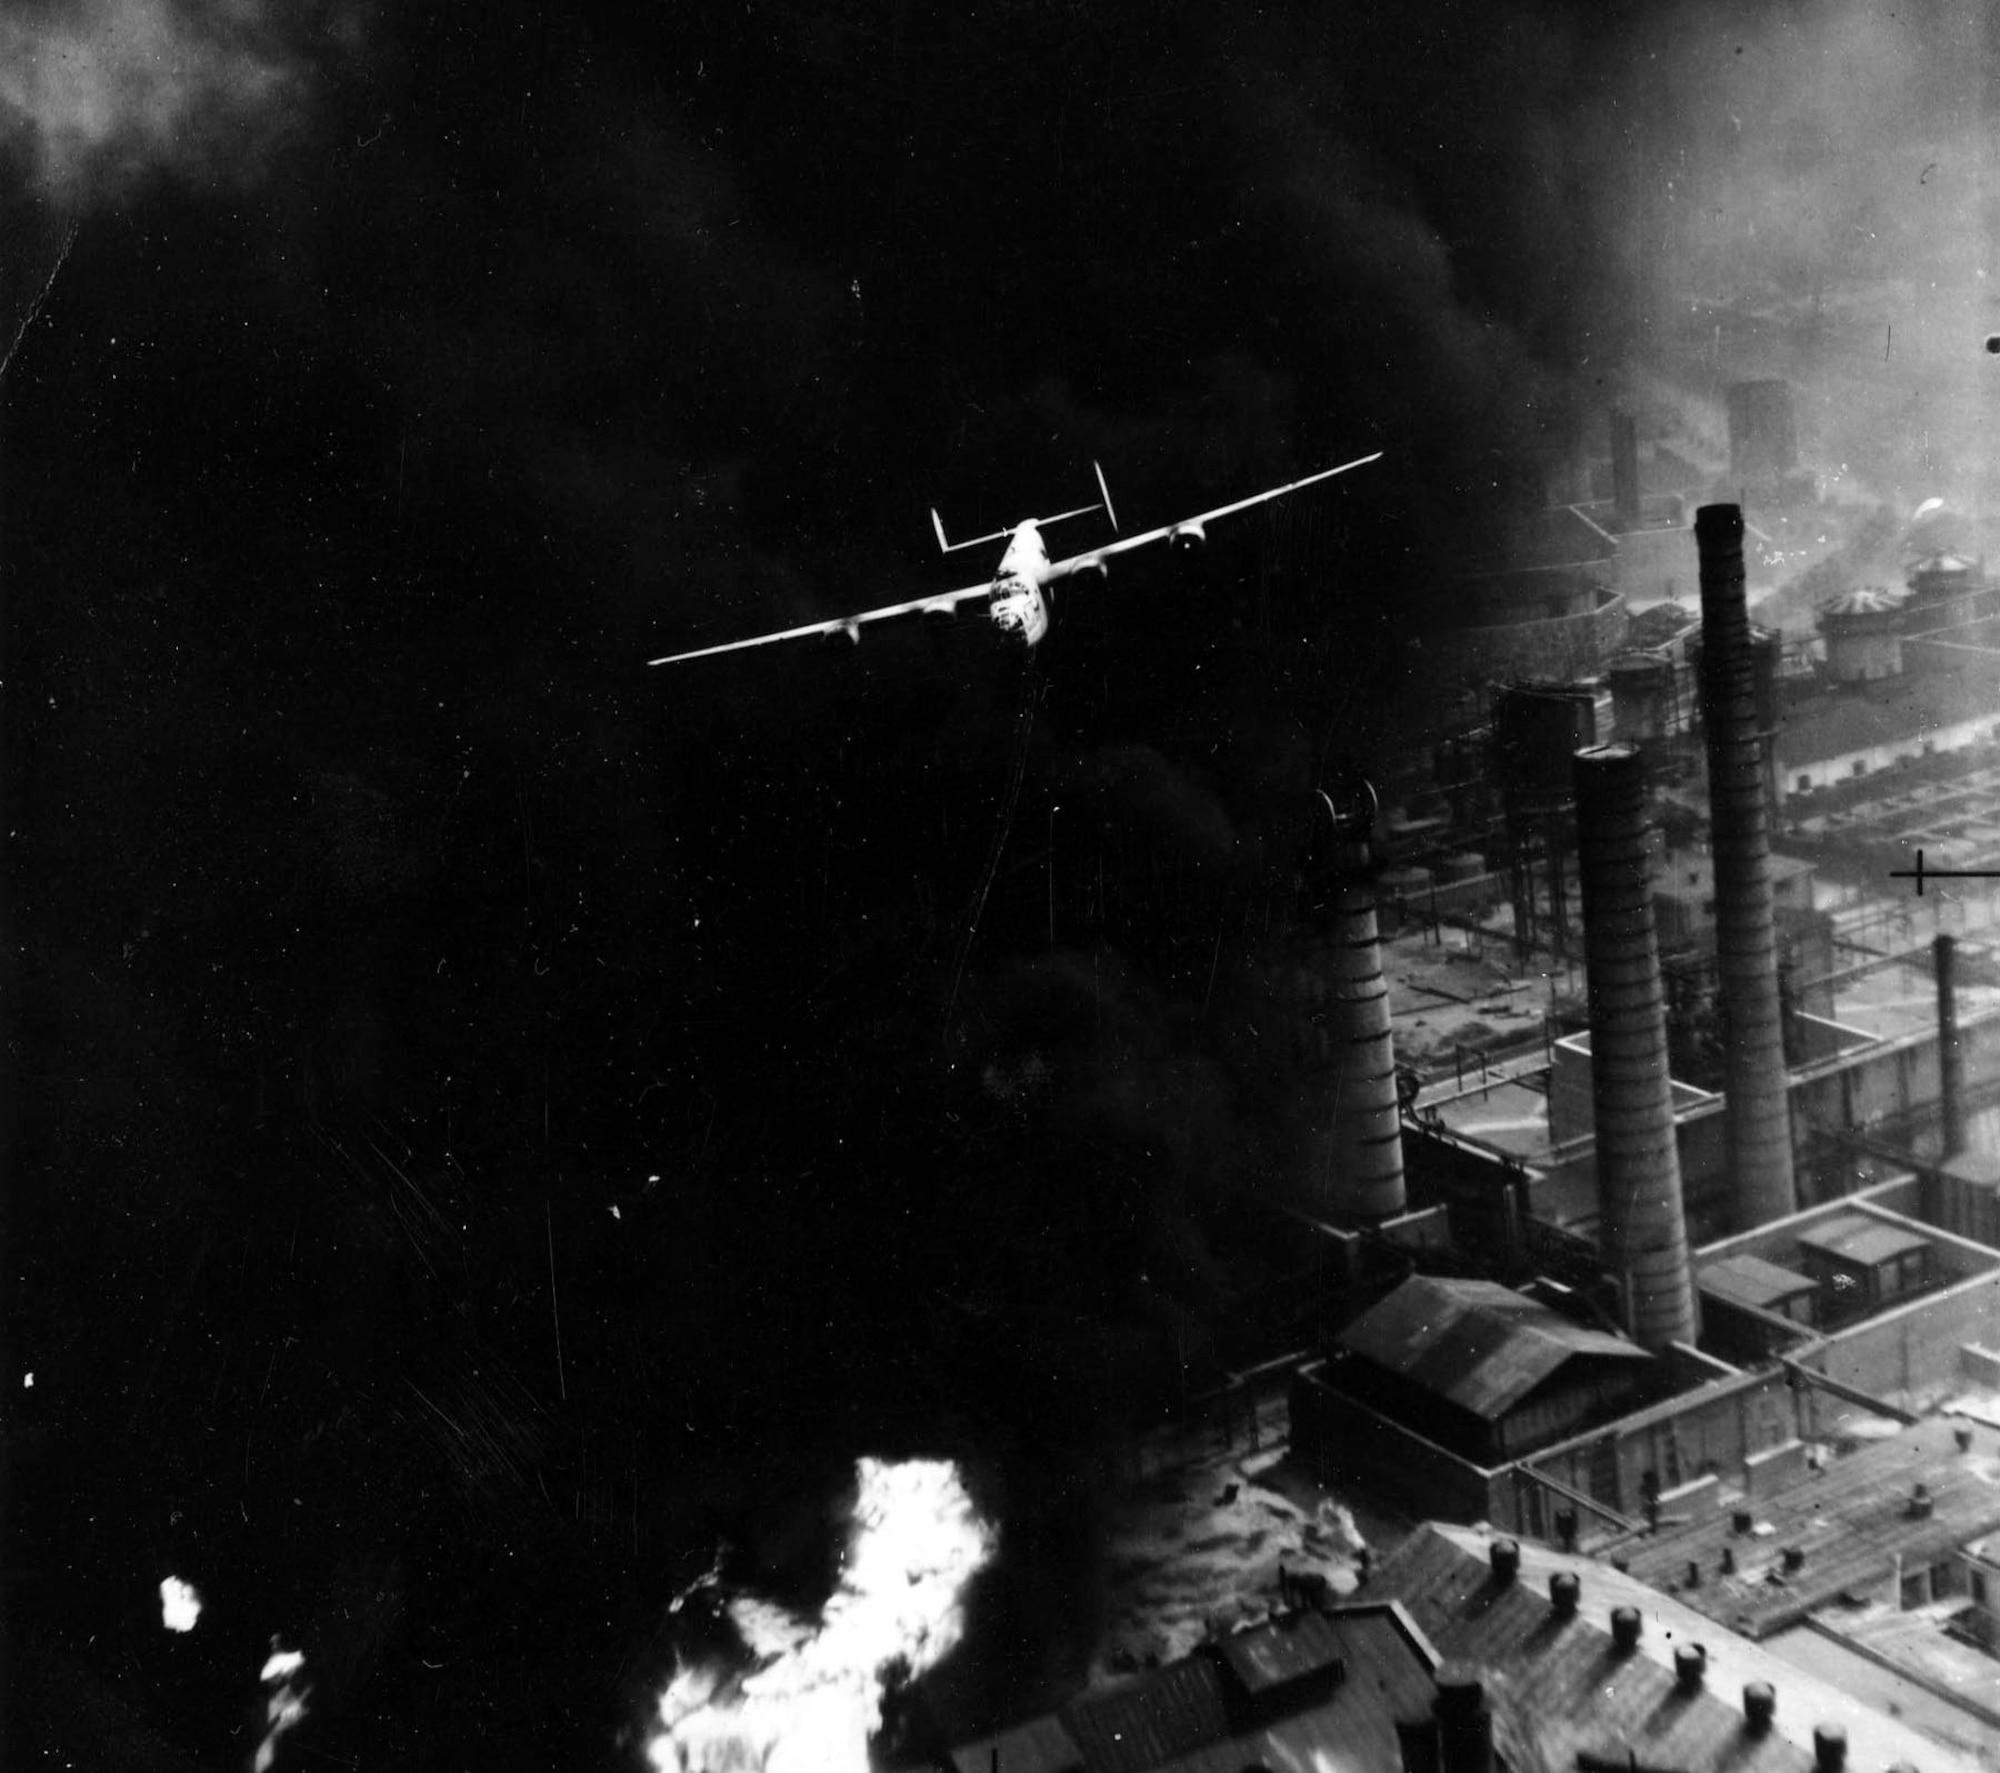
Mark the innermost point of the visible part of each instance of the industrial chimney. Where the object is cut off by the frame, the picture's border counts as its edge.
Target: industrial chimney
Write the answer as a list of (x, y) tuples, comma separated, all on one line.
[(1951, 1062), (1357, 1161), (1642, 1222), (1746, 945), (1625, 469)]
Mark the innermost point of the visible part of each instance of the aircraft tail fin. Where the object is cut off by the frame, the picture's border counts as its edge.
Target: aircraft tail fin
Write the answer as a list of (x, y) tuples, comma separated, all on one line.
[(1000, 535)]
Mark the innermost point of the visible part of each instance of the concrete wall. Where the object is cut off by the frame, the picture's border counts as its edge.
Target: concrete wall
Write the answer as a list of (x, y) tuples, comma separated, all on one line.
[(1911, 1352), (1338, 1439), (1800, 775), (1572, 1112), (1712, 1430)]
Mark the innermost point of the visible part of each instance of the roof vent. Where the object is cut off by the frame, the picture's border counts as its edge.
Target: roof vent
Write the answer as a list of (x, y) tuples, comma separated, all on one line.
[(1830, 1747), (1690, 1664), (1922, 1503), (1760, 1706), (1506, 1560), (1564, 1593), (1625, 1629)]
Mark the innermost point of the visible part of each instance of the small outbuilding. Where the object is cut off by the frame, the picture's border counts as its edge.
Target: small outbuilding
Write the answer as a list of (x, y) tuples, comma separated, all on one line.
[(1483, 1370)]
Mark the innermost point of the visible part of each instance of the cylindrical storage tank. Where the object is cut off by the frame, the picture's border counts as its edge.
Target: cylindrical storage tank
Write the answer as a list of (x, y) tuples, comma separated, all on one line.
[(1864, 636), (1641, 1219), (1938, 578), (1642, 697), (1759, 1124), (1357, 1140)]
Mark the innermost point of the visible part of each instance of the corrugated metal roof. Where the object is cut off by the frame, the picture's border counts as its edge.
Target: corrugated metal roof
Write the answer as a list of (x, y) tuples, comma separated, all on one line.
[(1478, 1343), (1282, 1651), (1944, 563), (1136, 1726), (1174, 1720), (1872, 600), (1355, 1731), (1856, 1238), (1874, 1739), (1041, 1745), (1750, 1280), (1851, 1520), (1557, 1686)]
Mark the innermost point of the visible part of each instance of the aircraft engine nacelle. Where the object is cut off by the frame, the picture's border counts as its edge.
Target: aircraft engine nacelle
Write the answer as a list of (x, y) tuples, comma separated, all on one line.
[(1097, 568), (1187, 536)]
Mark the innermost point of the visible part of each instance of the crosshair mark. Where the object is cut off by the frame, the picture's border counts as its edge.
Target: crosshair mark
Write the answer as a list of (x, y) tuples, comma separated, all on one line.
[(1920, 873)]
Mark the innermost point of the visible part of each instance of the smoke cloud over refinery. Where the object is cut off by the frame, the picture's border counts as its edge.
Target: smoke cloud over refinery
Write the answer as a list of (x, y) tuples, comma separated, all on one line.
[(904, 1112)]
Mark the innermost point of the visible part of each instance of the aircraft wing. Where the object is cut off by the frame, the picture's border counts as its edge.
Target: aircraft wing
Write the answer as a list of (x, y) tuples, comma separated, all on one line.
[(1125, 544), (944, 603)]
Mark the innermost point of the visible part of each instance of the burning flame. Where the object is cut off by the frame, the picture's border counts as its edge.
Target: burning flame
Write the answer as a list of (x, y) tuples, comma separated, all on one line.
[(816, 1698), (284, 1708), (180, 1605)]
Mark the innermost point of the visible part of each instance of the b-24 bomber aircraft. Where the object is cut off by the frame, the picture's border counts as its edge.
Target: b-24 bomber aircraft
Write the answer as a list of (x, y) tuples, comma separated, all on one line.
[(1017, 596)]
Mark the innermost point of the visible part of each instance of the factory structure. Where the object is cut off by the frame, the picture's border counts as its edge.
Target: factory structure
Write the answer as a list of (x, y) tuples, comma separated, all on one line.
[(1644, 1234)]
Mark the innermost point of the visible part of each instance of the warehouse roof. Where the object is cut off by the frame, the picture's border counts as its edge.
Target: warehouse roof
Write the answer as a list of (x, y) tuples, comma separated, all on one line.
[(1188, 1717), (1560, 1690), (1854, 1238), (1750, 1280), (1852, 1520), (1477, 1343), (1874, 1739)]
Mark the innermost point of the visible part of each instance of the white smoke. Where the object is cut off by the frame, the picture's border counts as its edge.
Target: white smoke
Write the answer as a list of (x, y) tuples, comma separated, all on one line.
[(96, 94)]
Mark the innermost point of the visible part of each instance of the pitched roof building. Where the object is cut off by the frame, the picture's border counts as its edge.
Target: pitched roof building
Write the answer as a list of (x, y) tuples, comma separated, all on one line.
[(1545, 1665), (1904, 1501), (1479, 1368), (1308, 1688)]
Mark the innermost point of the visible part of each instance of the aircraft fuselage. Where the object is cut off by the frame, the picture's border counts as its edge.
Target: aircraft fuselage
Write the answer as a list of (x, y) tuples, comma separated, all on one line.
[(1016, 600)]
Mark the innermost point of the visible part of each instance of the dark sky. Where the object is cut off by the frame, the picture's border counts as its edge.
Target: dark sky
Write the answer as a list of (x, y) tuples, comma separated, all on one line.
[(838, 1049)]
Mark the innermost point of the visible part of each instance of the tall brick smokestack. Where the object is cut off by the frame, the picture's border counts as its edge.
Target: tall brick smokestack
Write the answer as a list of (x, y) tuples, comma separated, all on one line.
[(1951, 1063), (1625, 469), (1357, 1161), (1641, 1220), (1746, 943)]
